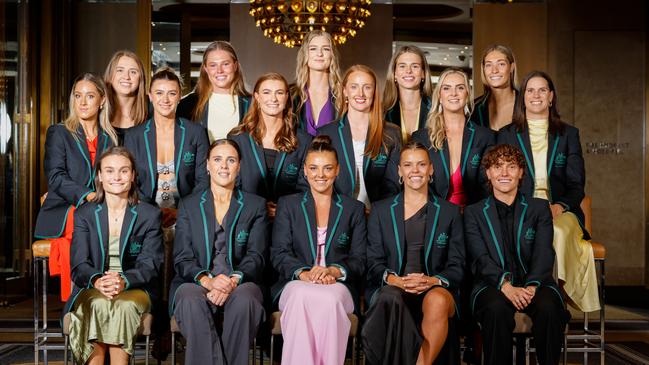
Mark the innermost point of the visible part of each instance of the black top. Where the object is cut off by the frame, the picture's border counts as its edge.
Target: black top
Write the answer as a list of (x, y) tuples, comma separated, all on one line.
[(219, 259), (506, 216), (270, 155), (415, 232)]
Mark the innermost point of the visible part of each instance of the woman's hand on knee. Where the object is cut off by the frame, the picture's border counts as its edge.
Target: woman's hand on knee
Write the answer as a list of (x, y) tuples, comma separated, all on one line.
[(217, 297)]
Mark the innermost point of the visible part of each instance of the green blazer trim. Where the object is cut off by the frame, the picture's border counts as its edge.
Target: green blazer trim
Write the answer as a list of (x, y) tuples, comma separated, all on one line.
[(308, 226), (432, 234), (233, 224), (442, 152), (88, 165), (205, 233), (397, 239), (493, 233), (341, 125), (330, 235), (471, 127), (262, 168), (180, 123), (128, 234), (518, 234), (148, 153), (530, 162), (99, 208)]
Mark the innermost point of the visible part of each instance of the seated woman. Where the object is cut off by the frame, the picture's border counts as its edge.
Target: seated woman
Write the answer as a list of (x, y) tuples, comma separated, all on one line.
[(318, 249), (415, 259), (509, 241), (455, 143), (555, 172), (116, 255), (407, 90), (221, 241), (70, 150), (369, 146), (273, 149), (220, 100)]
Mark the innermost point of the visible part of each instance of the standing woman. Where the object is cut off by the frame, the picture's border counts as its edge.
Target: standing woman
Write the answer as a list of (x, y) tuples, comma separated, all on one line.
[(116, 257), (408, 89), (317, 82), (220, 100), (272, 149), (370, 147), (318, 249), (170, 155), (70, 150), (455, 144), (126, 88), (415, 257), (555, 172), (494, 109), (221, 241)]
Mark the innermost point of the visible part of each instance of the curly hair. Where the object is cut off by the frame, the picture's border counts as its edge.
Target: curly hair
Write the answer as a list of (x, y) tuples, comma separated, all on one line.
[(503, 153)]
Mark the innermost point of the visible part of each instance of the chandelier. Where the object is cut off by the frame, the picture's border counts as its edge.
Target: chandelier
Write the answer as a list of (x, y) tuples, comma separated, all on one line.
[(287, 22)]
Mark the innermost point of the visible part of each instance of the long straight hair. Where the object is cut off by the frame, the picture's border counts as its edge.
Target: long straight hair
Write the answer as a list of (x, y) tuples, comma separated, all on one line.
[(391, 89), (302, 69), (375, 139), (139, 111), (204, 87), (286, 139), (511, 59), (72, 122), (435, 118), (132, 192), (519, 119)]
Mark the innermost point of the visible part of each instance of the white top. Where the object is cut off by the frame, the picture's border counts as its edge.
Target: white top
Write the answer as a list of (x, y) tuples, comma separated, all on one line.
[(222, 116), (360, 192)]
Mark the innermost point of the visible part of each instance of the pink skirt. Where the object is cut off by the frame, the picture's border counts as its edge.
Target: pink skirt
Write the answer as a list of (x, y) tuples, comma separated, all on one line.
[(314, 321)]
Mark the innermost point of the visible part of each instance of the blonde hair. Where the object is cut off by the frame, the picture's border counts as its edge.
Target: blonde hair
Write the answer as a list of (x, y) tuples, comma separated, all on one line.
[(72, 122), (435, 119), (509, 54), (140, 109), (286, 138), (302, 69), (391, 89), (375, 140), (204, 87)]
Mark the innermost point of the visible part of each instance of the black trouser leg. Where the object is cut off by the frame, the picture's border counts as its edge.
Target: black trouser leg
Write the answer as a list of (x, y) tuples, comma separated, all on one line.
[(549, 318), (495, 313), (243, 313)]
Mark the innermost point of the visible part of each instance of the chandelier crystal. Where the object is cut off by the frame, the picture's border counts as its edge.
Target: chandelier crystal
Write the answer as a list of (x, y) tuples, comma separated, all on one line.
[(287, 22)]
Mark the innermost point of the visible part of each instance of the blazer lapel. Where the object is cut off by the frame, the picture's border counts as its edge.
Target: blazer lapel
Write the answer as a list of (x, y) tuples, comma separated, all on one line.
[(553, 143), (101, 222), (335, 211), (279, 164), (491, 217), (345, 135), (446, 159), (85, 153), (243, 106), (432, 210), (519, 217), (209, 224), (467, 143), (525, 145), (179, 144), (130, 216), (424, 108), (396, 215), (308, 210), (151, 152), (232, 218), (257, 152)]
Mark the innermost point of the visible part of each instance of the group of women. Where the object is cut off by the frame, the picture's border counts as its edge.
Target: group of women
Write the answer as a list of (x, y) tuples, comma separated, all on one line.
[(193, 202)]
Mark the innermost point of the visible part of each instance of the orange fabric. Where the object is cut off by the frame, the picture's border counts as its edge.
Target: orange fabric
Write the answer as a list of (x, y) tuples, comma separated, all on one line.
[(92, 149), (60, 256)]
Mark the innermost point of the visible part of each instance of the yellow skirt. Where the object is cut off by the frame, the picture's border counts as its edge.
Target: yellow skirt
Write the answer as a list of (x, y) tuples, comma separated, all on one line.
[(96, 318), (575, 263)]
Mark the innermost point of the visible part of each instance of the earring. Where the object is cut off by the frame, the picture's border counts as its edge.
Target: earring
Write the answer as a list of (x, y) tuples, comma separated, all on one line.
[(400, 180), (430, 180), (550, 104), (101, 106), (422, 80), (466, 110), (439, 108), (346, 100)]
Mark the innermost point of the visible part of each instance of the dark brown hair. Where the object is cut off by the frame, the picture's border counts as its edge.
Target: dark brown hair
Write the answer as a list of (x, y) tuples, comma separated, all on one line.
[(132, 192), (519, 118), (166, 73), (224, 141), (286, 138), (412, 145), (321, 143), (503, 153)]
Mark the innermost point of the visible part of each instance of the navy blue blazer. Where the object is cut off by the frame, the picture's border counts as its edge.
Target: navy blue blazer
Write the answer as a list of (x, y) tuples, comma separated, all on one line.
[(247, 237), (70, 176), (475, 142), (289, 172), (189, 101), (294, 245), (393, 115), (190, 146), (140, 247), (444, 243), (565, 167), (484, 241), (300, 113), (480, 113), (380, 173)]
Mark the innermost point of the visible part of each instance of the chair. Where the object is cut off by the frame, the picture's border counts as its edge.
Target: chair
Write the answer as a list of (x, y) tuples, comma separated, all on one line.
[(41, 256), (523, 328), (175, 329), (146, 323), (276, 330), (593, 340)]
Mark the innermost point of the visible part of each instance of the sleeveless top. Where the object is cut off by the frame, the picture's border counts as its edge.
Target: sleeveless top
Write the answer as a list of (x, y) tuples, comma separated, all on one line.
[(456, 193)]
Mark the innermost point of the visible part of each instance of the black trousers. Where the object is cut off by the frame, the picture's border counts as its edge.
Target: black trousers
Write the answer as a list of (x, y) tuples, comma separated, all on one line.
[(495, 313), (242, 314), (391, 333)]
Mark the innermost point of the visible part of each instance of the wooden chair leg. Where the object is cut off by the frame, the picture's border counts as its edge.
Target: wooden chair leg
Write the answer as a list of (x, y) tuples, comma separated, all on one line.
[(173, 348)]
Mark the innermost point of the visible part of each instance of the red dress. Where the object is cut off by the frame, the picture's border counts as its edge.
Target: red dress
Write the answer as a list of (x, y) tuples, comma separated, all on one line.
[(456, 194), (60, 247)]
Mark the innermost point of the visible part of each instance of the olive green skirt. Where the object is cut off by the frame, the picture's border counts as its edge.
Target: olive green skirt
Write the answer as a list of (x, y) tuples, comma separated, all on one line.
[(95, 318)]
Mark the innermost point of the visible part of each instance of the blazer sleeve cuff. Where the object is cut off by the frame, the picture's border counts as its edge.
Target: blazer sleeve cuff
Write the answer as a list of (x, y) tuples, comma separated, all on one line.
[(296, 273), (82, 199), (385, 276), (238, 275), (533, 282), (342, 271), (444, 281), (128, 283), (565, 206), (206, 272), (506, 276), (92, 277)]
